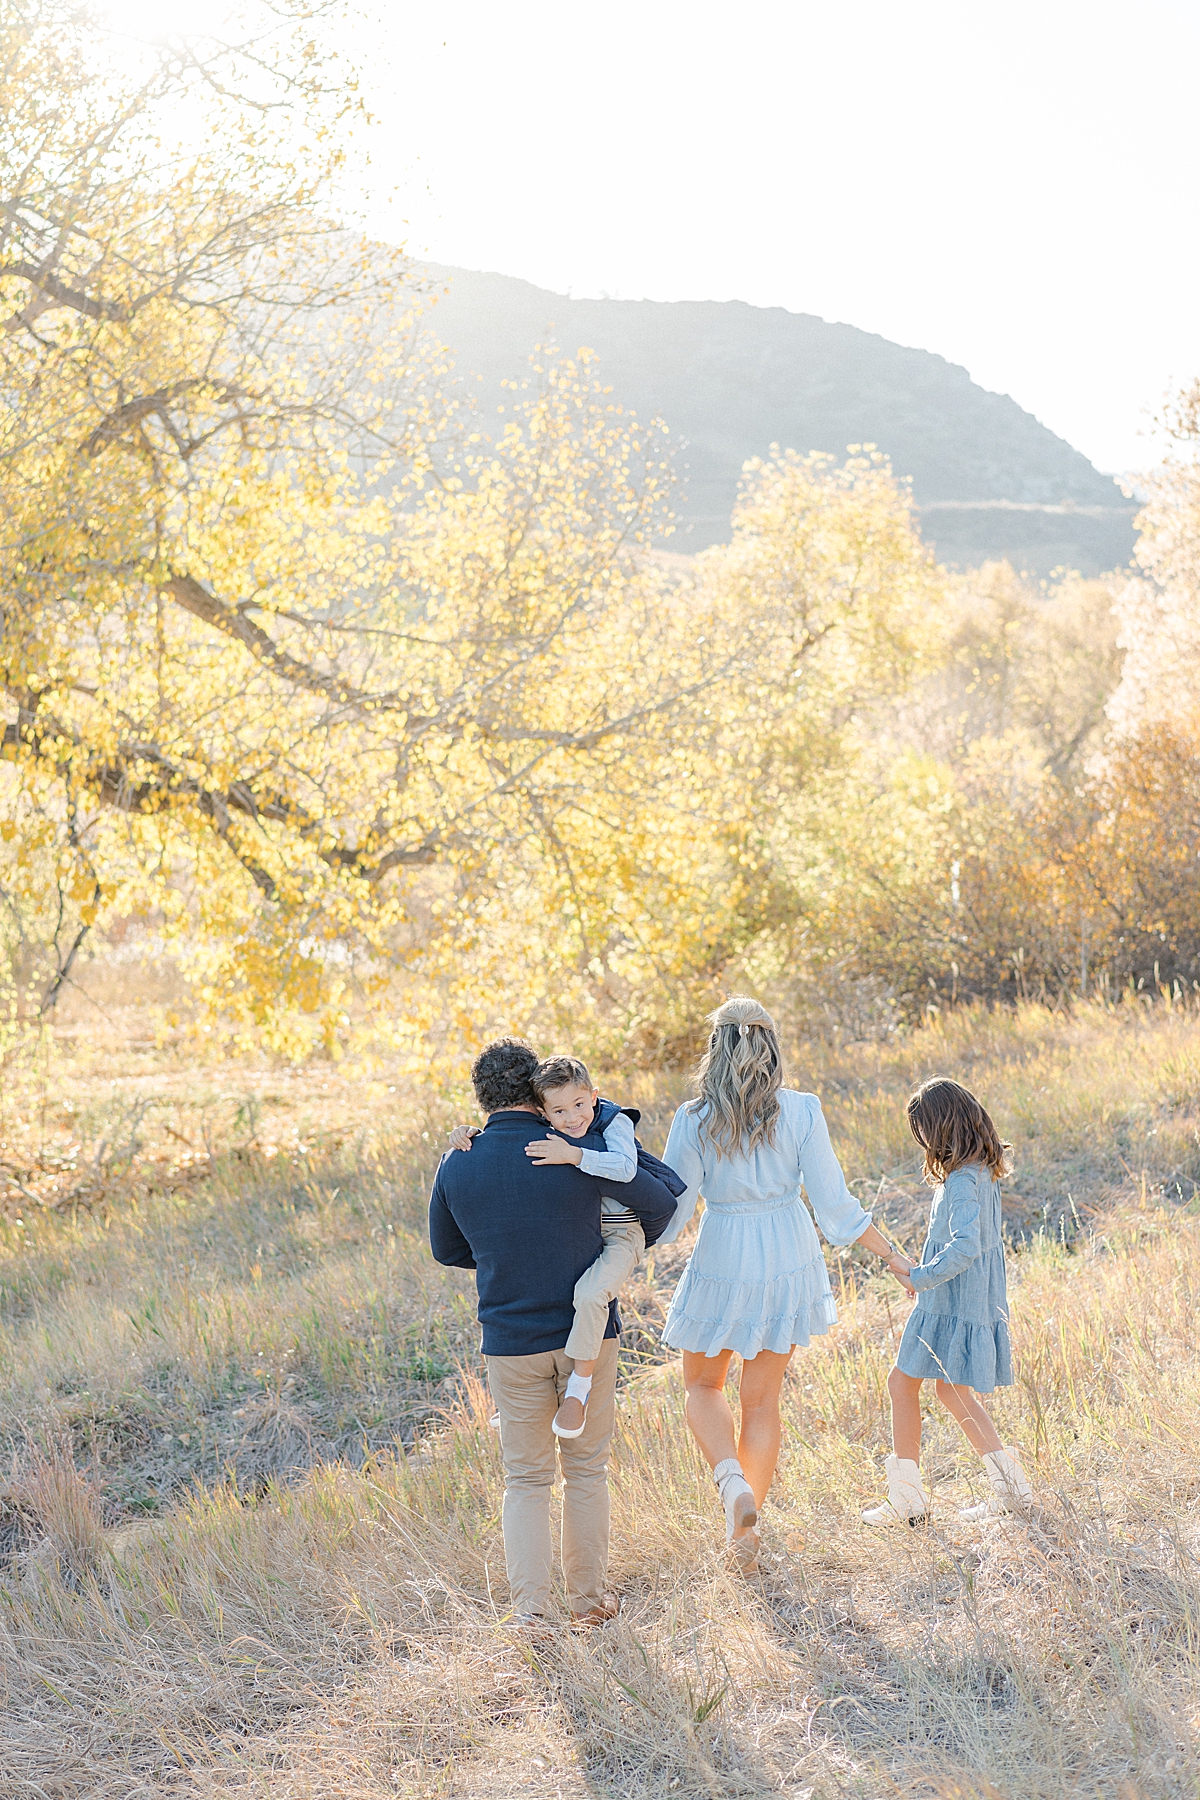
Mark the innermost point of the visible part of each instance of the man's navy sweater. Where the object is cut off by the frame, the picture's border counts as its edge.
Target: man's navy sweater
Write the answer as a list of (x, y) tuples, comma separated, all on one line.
[(528, 1230)]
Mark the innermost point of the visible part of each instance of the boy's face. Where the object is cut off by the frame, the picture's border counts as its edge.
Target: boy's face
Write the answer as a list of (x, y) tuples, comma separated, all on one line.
[(570, 1109)]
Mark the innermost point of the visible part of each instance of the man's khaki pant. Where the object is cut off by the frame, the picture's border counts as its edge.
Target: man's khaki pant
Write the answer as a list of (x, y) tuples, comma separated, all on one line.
[(602, 1281), (527, 1391)]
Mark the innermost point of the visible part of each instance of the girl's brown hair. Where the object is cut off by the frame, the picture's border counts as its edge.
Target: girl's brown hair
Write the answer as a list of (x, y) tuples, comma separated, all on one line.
[(738, 1081), (953, 1129)]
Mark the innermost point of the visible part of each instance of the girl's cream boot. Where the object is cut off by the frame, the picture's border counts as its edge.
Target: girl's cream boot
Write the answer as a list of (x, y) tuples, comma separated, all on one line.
[(1011, 1492), (907, 1502)]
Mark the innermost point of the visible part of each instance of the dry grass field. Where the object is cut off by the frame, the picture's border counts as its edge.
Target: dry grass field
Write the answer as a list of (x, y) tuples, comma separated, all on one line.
[(249, 1525)]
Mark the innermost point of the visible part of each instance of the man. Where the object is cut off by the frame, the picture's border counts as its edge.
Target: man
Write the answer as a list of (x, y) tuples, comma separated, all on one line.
[(529, 1231)]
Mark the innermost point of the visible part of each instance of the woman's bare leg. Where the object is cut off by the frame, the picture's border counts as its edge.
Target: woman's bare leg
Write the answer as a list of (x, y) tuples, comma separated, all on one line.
[(711, 1418), (758, 1441), (707, 1410), (964, 1404), (905, 1394)]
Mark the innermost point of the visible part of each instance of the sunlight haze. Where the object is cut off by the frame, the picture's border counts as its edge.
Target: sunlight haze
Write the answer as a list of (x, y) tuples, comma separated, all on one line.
[(1011, 188), (568, 569)]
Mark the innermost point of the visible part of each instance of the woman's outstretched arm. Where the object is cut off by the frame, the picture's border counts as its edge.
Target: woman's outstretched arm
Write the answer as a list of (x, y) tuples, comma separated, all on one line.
[(839, 1214)]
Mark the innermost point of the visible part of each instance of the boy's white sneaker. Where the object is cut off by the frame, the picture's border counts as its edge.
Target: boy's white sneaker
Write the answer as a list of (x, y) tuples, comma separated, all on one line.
[(570, 1419), (1011, 1492), (907, 1502)]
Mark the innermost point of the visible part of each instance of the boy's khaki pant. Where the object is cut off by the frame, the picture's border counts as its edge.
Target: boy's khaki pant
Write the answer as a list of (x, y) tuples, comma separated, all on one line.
[(602, 1281), (528, 1391)]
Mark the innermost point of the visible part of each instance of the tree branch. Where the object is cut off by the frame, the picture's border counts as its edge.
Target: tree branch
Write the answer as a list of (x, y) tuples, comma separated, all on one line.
[(57, 293), (132, 412), (116, 783), (187, 592), (50, 997)]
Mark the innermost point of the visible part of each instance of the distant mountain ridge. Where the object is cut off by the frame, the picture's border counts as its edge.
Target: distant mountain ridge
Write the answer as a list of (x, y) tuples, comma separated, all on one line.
[(730, 379)]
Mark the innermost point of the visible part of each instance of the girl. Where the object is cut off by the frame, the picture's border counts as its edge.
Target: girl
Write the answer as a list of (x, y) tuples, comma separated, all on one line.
[(756, 1285), (957, 1334)]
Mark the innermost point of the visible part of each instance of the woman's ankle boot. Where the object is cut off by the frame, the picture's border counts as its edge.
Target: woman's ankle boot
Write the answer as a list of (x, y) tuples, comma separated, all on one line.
[(737, 1497)]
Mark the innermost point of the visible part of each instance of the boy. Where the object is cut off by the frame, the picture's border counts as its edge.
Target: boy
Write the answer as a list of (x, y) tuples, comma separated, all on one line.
[(571, 1103)]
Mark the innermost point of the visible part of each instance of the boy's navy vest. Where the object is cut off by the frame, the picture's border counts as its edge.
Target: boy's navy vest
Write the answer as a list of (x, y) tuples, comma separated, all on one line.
[(606, 1112)]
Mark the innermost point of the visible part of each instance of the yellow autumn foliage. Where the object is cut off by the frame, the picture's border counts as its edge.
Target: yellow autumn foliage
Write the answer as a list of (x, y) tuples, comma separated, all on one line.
[(383, 716), (349, 699)]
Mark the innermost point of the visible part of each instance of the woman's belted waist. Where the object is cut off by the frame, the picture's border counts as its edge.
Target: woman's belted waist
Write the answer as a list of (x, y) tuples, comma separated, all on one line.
[(752, 1206)]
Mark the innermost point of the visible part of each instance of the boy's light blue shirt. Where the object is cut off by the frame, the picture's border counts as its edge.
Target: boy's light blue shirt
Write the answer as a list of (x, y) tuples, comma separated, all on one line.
[(617, 1163)]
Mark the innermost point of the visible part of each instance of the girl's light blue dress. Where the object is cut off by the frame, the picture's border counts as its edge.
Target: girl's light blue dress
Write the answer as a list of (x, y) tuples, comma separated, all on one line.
[(958, 1329), (756, 1279)]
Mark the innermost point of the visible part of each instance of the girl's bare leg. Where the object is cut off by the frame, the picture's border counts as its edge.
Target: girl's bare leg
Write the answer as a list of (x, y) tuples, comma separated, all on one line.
[(964, 1404), (905, 1394)]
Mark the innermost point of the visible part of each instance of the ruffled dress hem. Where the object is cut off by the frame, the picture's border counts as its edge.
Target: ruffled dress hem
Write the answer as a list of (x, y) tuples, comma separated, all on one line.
[(942, 1347), (709, 1314), (712, 1338)]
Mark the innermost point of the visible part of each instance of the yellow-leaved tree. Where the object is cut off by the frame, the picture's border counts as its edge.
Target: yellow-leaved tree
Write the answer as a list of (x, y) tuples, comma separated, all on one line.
[(173, 433), (287, 658), (363, 705), (789, 635)]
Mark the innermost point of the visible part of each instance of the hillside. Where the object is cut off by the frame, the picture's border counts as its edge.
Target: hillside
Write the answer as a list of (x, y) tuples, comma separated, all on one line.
[(731, 379)]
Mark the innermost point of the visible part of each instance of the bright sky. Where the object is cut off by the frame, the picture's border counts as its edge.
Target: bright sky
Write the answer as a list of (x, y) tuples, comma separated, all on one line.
[(1012, 185)]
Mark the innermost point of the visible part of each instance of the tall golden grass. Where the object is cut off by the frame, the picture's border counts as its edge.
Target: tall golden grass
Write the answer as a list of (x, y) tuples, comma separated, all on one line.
[(252, 1529)]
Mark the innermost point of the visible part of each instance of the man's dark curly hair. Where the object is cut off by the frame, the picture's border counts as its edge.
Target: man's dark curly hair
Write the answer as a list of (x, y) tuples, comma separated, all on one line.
[(500, 1075)]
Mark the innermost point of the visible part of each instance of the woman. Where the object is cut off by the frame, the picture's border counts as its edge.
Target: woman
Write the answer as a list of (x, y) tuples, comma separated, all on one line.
[(756, 1283)]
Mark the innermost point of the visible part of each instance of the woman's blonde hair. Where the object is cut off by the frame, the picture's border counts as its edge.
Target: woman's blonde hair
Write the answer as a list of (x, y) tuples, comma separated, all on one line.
[(738, 1081)]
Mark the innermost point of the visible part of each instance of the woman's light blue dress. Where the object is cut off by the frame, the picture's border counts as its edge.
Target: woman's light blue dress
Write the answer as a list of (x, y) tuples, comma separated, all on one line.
[(756, 1279), (958, 1330)]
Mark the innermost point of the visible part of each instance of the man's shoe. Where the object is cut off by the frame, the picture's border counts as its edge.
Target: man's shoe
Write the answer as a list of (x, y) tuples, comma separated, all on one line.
[(570, 1418), (603, 1614), (535, 1627)]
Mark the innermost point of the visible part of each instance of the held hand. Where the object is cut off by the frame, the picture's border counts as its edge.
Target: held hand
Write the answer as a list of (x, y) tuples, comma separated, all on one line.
[(460, 1137), (552, 1150), (901, 1267)]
